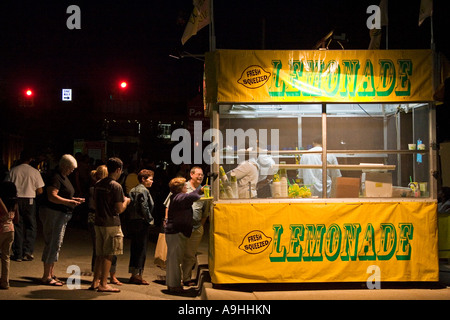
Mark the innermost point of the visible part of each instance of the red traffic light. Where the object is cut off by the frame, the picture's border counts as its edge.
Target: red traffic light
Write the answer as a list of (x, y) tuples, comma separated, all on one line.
[(26, 98), (123, 84)]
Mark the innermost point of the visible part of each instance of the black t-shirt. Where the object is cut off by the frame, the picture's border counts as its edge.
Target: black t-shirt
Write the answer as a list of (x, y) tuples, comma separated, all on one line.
[(65, 190), (107, 192)]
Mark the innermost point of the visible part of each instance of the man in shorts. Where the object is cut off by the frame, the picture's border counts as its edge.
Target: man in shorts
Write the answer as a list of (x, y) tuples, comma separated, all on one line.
[(110, 201)]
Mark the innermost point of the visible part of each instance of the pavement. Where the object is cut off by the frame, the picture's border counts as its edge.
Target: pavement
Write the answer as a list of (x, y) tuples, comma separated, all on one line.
[(76, 254)]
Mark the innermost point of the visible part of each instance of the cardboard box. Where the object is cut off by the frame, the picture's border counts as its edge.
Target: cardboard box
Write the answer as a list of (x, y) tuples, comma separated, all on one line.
[(378, 184), (344, 187)]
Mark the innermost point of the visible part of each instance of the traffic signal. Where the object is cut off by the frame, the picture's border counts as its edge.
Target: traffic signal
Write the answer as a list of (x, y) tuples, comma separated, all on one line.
[(123, 85), (119, 89), (26, 99)]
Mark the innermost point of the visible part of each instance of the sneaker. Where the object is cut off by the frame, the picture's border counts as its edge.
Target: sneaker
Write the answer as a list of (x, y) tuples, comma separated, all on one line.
[(28, 257), (14, 258)]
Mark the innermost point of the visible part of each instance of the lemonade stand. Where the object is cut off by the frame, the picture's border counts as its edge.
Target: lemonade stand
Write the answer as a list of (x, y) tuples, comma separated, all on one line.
[(376, 216)]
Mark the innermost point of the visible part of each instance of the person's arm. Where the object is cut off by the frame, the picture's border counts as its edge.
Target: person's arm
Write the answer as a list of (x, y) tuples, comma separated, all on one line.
[(53, 196), (121, 206), (190, 197), (334, 173), (39, 184), (39, 191), (144, 202), (240, 171)]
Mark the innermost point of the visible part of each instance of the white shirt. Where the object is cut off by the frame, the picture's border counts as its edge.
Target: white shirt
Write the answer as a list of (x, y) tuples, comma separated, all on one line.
[(313, 177), (266, 166), (27, 180), (246, 172)]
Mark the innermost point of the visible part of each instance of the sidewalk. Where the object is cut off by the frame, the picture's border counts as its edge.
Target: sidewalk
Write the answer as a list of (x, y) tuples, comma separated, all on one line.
[(76, 251)]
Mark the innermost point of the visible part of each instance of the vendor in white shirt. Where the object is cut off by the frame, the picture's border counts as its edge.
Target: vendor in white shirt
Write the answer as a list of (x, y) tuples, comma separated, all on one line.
[(266, 171), (247, 177), (313, 177)]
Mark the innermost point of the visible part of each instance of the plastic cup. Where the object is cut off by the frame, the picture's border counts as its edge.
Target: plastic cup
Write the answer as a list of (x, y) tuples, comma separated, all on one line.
[(412, 146), (423, 186), (206, 191)]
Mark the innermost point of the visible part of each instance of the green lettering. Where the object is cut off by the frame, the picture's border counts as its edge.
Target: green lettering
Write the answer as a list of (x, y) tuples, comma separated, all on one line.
[(350, 245), (367, 251), (404, 245), (387, 242), (278, 254), (387, 78), (314, 242), (403, 83), (312, 74), (367, 84), (294, 84), (277, 85), (350, 75), (333, 242), (331, 78), (295, 249)]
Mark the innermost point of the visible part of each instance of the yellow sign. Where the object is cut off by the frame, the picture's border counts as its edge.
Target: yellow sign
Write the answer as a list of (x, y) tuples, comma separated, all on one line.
[(323, 242), (236, 76)]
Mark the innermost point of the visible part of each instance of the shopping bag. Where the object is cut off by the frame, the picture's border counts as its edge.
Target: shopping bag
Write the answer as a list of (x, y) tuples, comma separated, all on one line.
[(161, 251)]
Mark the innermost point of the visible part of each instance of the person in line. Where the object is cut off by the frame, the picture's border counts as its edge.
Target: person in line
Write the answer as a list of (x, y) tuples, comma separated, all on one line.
[(140, 219), (110, 202), (9, 214), (96, 175), (200, 211), (29, 184), (178, 229), (131, 179), (313, 177), (55, 213)]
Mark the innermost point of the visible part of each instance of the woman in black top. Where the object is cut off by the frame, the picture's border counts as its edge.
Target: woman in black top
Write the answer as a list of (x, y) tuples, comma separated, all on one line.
[(55, 214)]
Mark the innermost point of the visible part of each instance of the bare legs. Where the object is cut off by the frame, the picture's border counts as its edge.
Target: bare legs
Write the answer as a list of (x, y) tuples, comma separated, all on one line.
[(101, 272)]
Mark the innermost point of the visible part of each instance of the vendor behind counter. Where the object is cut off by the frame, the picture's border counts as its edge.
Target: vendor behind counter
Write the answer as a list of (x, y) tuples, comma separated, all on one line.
[(313, 177)]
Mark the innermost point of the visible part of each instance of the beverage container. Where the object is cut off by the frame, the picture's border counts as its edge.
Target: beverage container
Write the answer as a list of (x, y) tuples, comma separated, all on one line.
[(206, 191), (234, 186)]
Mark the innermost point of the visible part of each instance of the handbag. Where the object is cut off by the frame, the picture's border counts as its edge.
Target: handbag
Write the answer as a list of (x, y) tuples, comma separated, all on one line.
[(161, 251)]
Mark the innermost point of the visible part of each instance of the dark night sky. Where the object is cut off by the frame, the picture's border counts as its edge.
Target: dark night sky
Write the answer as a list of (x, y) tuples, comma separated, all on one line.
[(134, 38)]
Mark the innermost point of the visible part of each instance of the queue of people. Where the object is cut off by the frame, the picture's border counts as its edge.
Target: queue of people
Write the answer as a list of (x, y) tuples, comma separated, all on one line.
[(185, 217), (106, 200)]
